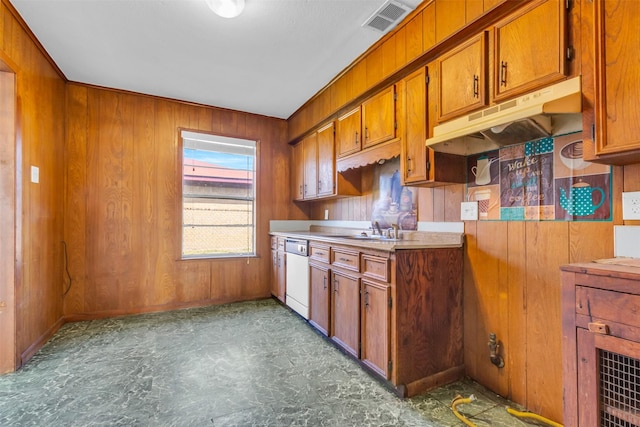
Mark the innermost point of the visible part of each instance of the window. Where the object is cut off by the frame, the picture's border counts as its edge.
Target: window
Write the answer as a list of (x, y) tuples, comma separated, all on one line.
[(218, 196)]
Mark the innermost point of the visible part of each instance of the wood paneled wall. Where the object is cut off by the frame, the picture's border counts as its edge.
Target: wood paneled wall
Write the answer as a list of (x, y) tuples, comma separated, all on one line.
[(39, 139), (512, 287), (123, 220)]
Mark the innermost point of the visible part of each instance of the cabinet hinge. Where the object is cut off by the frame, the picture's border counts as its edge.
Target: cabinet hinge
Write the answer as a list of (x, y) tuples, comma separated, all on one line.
[(570, 53), (395, 96), (568, 4), (427, 79), (395, 124), (389, 366), (428, 165), (389, 301)]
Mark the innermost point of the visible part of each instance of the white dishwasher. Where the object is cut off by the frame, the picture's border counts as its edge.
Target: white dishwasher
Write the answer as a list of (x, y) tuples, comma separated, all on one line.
[(297, 276)]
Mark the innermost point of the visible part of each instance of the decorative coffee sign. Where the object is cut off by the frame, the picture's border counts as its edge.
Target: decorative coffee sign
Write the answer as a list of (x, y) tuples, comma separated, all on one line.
[(545, 179)]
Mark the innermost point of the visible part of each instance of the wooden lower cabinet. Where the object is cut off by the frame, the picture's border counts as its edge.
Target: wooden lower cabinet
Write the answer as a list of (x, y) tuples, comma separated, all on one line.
[(399, 313), (376, 317), (320, 297), (345, 312), (601, 345), (278, 268)]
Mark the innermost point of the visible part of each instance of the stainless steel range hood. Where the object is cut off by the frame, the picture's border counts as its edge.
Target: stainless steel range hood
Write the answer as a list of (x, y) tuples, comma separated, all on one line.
[(554, 110)]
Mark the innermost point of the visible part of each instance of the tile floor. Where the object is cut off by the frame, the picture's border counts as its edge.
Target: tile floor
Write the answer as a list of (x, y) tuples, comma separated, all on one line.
[(245, 364)]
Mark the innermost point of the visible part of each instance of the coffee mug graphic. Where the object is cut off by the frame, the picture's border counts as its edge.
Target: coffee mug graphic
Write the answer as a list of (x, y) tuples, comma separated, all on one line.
[(483, 197), (571, 156)]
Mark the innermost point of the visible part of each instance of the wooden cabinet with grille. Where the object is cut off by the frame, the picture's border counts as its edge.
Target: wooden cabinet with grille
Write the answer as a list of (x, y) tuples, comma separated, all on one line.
[(601, 344)]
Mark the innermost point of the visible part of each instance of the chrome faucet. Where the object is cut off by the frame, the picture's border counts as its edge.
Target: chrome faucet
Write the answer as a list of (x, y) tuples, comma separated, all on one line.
[(377, 227)]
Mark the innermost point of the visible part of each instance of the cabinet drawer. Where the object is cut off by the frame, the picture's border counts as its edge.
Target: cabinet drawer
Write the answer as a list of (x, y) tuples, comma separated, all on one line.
[(319, 252), (375, 267), (345, 258), (603, 304)]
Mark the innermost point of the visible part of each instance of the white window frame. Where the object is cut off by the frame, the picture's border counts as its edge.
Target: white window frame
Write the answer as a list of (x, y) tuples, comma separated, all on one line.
[(225, 144)]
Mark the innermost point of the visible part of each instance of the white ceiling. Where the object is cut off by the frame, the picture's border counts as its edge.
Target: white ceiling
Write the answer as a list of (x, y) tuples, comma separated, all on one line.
[(270, 60)]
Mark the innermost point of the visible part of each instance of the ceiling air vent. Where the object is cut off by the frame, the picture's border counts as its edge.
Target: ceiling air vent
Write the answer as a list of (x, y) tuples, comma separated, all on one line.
[(387, 16)]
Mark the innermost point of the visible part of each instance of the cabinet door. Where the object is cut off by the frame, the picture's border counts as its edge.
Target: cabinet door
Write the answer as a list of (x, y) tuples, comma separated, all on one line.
[(413, 155), (419, 164), (278, 274), (617, 79), (282, 275), (530, 49), (320, 295), (462, 79), (326, 161), (348, 134), (345, 312), (310, 153), (450, 17), (379, 118), (297, 175), (375, 327), (274, 273)]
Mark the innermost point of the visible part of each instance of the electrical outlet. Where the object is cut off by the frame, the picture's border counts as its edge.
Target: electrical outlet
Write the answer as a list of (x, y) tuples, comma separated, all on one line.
[(631, 205), (469, 211)]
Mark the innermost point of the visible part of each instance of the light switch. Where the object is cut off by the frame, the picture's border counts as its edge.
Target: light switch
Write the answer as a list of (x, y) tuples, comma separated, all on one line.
[(469, 211), (35, 174)]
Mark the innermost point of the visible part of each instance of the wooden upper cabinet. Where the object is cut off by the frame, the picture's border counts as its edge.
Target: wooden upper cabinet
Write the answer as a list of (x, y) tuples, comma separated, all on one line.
[(617, 79), (326, 160), (473, 9), (297, 176), (310, 154), (530, 49), (348, 133), (429, 27), (420, 165), (462, 86), (413, 148), (450, 17), (413, 38), (374, 66), (379, 118)]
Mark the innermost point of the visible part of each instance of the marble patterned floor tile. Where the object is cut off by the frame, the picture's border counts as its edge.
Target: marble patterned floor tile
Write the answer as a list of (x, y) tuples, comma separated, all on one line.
[(246, 364)]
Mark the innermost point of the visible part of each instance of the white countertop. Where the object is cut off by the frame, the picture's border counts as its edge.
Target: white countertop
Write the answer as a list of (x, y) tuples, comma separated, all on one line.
[(409, 240)]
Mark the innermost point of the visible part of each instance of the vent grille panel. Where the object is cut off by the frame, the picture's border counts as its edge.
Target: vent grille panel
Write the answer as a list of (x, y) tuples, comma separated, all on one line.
[(387, 16), (392, 12)]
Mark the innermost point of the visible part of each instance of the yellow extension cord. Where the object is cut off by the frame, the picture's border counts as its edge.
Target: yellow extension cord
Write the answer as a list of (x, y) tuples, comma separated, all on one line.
[(459, 400), (533, 416)]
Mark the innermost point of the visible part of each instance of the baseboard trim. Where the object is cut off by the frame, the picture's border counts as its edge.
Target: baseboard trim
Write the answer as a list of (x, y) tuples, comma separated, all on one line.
[(39, 343), (80, 317)]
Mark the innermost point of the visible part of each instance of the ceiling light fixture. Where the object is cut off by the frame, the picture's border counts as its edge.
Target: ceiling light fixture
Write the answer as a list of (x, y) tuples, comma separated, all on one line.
[(226, 8)]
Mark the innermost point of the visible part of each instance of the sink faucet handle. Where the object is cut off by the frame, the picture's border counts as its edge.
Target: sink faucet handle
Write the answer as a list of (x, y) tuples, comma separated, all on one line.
[(377, 227), (396, 231)]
